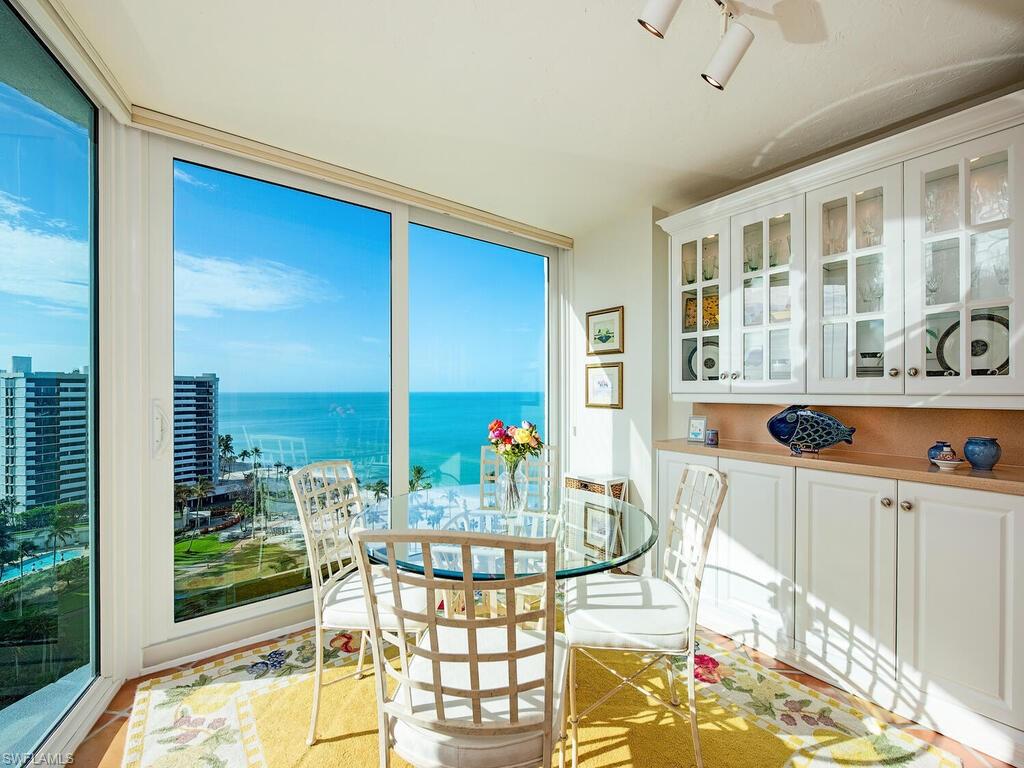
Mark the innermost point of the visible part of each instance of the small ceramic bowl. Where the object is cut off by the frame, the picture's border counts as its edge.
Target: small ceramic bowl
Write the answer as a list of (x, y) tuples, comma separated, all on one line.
[(945, 465)]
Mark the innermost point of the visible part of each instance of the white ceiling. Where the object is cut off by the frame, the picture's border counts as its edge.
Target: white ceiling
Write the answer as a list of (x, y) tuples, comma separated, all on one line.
[(558, 113)]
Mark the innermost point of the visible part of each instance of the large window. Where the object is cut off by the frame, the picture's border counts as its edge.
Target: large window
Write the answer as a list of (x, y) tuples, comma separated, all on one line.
[(282, 317), (47, 390), (477, 349)]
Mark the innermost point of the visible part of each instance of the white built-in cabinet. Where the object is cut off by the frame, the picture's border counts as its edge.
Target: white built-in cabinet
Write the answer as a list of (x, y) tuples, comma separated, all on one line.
[(855, 285), (907, 593), (845, 626), (903, 281), (960, 601), (963, 210)]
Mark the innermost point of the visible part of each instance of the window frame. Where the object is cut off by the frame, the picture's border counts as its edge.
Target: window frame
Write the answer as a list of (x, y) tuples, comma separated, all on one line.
[(163, 640)]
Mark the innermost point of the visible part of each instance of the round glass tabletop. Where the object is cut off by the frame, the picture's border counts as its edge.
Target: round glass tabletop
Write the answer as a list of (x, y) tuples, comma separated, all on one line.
[(593, 532)]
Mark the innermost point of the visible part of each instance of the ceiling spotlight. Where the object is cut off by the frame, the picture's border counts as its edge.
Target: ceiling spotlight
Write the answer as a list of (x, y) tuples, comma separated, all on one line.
[(658, 14), (733, 45)]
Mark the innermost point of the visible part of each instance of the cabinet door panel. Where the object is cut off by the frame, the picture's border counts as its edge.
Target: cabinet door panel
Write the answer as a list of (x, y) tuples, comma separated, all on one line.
[(855, 285), (752, 557), (963, 207), (960, 605), (846, 579), (767, 308), (699, 299)]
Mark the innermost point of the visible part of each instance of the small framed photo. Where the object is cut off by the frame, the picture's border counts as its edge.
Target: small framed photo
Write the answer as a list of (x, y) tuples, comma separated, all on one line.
[(600, 526), (697, 428), (604, 385), (606, 331)]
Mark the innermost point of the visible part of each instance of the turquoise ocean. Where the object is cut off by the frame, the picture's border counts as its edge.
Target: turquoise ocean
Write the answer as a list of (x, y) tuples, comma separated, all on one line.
[(446, 428)]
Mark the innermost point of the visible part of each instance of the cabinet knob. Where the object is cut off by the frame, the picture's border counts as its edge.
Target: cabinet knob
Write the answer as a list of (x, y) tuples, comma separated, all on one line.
[(723, 376), (906, 506), (735, 375), (894, 372), (886, 502), (912, 371)]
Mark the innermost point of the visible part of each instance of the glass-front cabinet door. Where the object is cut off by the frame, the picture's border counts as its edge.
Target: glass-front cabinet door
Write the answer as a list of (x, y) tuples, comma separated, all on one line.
[(767, 299), (699, 296), (855, 285), (963, 207)]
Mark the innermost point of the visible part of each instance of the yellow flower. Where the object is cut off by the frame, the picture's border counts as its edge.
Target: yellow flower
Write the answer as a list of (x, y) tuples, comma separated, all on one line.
[(522, 436), (210, 698)]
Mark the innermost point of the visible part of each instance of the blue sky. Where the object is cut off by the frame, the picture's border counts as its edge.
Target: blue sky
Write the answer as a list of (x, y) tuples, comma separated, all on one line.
[(44, 235), (275, 289), (281, 290)]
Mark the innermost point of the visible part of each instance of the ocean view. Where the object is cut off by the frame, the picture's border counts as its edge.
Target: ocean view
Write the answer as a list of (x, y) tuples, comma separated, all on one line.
[(446, 428)]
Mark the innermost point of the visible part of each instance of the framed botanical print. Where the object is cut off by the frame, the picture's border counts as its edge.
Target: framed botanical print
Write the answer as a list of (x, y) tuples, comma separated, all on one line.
[(604, 385), (601, 530), (606, 331)]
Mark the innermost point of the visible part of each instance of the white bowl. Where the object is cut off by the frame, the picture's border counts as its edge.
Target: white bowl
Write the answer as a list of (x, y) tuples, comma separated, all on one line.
[(948, 466)]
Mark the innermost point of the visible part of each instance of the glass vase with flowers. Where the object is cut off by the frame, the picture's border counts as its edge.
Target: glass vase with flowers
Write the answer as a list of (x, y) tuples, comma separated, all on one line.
[(513, 444)]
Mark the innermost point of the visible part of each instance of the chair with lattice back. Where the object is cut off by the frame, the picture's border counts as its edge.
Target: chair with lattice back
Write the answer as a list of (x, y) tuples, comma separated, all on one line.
[(477, 688), (655, 617), (327, 497)]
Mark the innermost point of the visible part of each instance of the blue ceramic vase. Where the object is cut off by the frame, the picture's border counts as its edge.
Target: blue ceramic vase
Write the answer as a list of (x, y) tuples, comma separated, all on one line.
[(982, 452)]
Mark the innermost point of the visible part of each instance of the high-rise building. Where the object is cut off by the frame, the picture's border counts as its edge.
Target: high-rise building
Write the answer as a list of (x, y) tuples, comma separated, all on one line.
[(45, 435), (196, 453)]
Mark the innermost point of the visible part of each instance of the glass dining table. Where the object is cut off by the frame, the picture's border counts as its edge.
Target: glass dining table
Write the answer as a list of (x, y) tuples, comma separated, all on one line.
[(593, 532)]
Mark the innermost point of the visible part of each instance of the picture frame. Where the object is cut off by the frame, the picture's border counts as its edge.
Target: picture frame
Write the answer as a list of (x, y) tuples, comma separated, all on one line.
[(606, 331), (696, 429), (600, 525), (603, 382)]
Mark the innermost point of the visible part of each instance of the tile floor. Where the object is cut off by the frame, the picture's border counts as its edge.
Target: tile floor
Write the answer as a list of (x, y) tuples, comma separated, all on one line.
[(104, 746)]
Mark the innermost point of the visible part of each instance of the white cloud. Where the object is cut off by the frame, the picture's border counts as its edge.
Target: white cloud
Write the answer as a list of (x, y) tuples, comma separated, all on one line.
[(204, 286), (11, 206), (188, 178), (42, 265)]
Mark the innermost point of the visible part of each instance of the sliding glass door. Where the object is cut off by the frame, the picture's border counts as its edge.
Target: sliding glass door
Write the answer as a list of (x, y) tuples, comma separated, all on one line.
[(47, 391), (478, 349), (282, 311)]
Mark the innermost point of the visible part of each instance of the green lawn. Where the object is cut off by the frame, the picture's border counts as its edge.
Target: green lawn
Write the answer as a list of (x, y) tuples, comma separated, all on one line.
[(201, 549)]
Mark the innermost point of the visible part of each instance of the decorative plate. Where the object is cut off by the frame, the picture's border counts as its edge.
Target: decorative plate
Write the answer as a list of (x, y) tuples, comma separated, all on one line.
[(710, 362), (990, 345)]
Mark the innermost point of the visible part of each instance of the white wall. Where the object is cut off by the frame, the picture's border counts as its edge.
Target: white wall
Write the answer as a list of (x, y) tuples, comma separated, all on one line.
[(624, 261)]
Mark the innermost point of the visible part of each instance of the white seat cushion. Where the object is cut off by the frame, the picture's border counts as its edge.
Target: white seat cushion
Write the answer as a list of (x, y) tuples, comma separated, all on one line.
[(429, 749), (345, 605), (608, 610)]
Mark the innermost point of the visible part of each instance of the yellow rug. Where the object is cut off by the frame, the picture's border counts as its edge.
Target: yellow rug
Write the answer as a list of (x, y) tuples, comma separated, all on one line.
[(252, 709)]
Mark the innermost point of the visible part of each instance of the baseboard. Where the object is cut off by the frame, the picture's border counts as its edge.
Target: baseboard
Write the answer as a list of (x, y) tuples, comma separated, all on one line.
[(225, 648)]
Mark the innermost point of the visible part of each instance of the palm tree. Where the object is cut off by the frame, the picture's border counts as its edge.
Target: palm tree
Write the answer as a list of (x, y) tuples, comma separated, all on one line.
[(226, 446), (182, 493), (379, 489), (244, 512), (25, 549), (201, 490), (418, 478), (61, 531), (8, 509)]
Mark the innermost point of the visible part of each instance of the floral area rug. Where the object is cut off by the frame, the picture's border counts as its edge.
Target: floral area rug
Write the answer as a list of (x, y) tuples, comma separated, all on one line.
[(252, 709)]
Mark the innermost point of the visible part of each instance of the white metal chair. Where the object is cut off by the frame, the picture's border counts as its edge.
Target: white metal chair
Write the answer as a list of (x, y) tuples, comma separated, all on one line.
[(651, 616), (538, 470), (327, 496), (475, 690)]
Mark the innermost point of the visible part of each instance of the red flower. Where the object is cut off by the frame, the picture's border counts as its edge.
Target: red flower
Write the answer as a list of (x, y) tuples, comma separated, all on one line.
[(507, 440), (705, 668), (496, 424)]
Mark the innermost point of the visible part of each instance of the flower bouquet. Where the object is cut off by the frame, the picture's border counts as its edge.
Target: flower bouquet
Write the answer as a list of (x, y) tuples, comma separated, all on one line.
[(513, 444)]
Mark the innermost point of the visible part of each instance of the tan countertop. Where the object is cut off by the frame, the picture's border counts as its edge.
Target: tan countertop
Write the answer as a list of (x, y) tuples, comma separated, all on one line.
[(1003, 479)]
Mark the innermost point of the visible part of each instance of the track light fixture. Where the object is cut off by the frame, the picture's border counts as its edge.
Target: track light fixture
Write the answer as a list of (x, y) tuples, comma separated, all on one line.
[(736, 38), (657, 15)]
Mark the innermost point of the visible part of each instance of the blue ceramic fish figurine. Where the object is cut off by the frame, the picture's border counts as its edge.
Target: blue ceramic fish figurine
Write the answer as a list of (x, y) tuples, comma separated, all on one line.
[(803, 430)]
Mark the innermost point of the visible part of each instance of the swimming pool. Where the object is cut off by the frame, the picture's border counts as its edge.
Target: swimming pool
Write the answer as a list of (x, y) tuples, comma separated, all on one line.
[(41, 561)]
